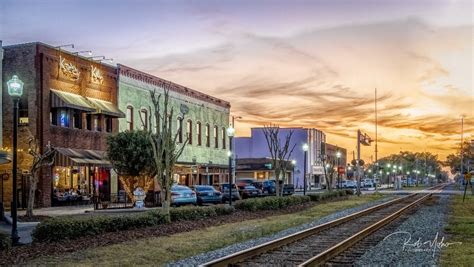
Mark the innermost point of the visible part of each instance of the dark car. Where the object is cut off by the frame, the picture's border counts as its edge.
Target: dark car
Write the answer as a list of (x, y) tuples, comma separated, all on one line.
[(244, 181), (207, 194), (247, 191), (266, 188), (225, 192)]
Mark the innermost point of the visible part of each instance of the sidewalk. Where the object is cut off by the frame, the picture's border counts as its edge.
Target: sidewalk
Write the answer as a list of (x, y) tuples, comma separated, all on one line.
[(24, 229), (57, 211)]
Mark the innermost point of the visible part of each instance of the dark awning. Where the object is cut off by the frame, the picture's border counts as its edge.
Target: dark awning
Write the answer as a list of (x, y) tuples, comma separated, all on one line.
[(80, 157), (107, 108), (60, 99)]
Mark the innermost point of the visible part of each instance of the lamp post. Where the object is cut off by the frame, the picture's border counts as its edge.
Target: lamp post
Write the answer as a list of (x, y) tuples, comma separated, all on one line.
[(305, 149), (230, 134), (293, 162), (15, 90), (338, 156)]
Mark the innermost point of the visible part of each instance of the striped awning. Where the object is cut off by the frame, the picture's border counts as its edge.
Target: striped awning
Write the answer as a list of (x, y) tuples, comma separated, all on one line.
[(60, 99), (107, 108), (80, 157)]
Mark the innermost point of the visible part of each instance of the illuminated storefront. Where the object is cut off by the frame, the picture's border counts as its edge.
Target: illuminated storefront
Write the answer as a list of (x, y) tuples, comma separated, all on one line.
[(71, 104)]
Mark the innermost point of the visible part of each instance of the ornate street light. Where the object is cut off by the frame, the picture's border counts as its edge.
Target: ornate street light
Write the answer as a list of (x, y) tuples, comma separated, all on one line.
[(15, 90), (338, 156), (293, 163), (305, 148), (230, 134)]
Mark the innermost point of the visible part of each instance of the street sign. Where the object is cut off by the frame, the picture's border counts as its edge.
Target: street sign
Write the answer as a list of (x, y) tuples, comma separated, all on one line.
[(268, 166)]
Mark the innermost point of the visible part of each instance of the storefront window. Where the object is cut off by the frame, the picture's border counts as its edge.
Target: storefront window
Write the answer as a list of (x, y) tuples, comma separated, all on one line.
[(77, 119), (63, 118), (108, 124)]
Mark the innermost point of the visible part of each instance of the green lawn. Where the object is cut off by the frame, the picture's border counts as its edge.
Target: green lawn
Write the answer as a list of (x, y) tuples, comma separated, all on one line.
[(160, 250), (460, 229)]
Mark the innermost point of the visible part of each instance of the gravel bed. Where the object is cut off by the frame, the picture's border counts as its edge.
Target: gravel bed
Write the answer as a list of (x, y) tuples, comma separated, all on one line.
[(208, 256), (425, 225)]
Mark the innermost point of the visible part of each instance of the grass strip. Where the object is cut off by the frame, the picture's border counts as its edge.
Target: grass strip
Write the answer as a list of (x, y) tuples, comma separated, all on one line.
[(161, 250)]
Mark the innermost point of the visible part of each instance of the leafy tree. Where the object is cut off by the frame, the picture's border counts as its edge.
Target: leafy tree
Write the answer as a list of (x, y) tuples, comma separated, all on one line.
[(132, 158), (453, 161)]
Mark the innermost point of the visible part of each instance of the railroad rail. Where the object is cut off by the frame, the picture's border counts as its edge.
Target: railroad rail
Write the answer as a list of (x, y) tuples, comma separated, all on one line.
[(318, 245)]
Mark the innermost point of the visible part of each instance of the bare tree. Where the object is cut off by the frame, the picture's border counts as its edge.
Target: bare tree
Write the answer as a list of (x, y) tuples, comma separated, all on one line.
[(39, 160), (280, 152), (166, 150), (328, 174)]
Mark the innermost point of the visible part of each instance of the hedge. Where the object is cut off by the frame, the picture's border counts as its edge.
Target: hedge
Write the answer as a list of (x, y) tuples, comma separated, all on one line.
[(270, 203), (5, 241), (330, 195), (60, 228)]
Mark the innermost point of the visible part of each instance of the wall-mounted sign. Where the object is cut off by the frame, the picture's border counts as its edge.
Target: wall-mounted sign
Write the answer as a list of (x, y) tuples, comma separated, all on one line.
[(96, 75), (68, 69)]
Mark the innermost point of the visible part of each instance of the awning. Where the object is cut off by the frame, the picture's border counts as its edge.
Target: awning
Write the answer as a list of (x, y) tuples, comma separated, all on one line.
[(80, 157), (107, 108), (60, 99)]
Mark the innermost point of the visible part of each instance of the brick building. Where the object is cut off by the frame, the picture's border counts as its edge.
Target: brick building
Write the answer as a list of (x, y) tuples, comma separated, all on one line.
[(70, 102)]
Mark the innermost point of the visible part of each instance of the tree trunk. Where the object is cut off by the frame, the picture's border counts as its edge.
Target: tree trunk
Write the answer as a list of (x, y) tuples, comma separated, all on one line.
[(31, 195), (277, 182)]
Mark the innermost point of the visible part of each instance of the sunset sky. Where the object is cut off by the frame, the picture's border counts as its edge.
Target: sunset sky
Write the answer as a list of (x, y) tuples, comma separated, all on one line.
[(293, 63)]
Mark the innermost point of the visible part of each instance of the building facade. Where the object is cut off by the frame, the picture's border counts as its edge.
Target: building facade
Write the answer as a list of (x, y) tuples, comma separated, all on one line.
[(261, 169), (204, 159), (256, 146), (69, 102)]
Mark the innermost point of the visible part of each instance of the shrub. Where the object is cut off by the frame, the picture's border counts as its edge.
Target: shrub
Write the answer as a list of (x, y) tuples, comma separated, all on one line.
[(270, 203), (198, 213), (5, 241), (60, 228), (330, 195)]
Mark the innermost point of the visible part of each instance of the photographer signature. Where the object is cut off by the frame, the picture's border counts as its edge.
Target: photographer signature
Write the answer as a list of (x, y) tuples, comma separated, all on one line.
[(430, 245)]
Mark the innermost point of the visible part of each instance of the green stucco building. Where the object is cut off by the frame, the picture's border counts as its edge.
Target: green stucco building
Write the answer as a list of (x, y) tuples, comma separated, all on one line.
[(204, 160)]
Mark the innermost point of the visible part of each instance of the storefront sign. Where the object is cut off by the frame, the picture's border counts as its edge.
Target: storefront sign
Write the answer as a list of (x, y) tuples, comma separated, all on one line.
[(68, 69), (96, 75)]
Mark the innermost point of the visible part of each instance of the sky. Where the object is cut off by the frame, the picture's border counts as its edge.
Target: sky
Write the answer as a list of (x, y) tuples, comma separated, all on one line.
[(291, 63)]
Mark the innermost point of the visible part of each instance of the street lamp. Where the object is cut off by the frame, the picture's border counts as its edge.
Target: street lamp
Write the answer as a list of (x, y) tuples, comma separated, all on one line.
[(305, 149), (230, 134), (293, 162), (15, 90)]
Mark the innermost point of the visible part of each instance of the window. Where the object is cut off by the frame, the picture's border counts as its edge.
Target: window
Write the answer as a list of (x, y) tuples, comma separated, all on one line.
[(77, 119), (190, 131), (129, 118), (208, 137), (216, 137), (53, 116), (144, 119), (108, 124), (179, 123), (198, 130), (223, 138), (89, 122), (97, 123), (63, 118)]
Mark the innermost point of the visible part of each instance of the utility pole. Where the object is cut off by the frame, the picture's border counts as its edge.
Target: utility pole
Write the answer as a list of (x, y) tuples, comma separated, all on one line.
[(376, 148), (358, 160), (462, 152)]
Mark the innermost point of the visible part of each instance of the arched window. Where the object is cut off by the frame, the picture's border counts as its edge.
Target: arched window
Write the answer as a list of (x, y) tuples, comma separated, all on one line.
[(208, 135), (198, 131), (190, 131), (144, 118), (179, 122), (223, 138), (216, 137), (129, 118)]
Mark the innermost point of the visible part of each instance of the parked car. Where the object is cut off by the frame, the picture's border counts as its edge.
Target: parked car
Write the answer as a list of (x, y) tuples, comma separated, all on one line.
[(367, 183), (207, 194), (247, 191), (182, 195), (266, 187), (288, 189), (348, 184), (244, 181), (224, 188)]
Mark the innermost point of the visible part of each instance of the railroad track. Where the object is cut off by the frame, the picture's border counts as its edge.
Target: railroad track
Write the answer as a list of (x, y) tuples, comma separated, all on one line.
[(325, 244)]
